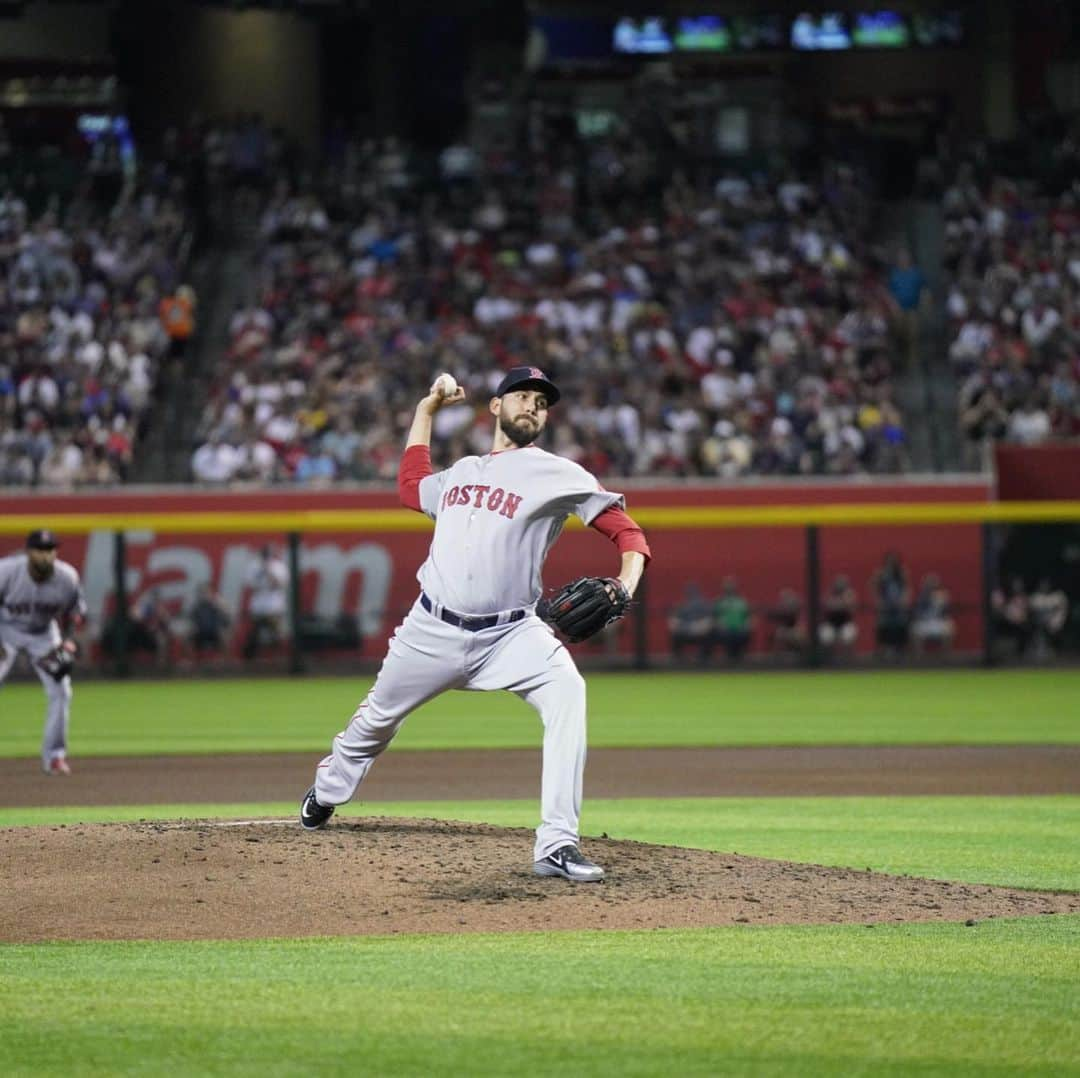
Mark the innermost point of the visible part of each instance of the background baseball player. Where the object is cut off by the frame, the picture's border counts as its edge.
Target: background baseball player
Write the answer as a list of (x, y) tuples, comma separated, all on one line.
[(38, 593), (474, 624)]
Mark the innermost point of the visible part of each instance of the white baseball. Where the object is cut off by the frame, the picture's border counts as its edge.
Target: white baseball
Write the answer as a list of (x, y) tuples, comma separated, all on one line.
[(446, 384)]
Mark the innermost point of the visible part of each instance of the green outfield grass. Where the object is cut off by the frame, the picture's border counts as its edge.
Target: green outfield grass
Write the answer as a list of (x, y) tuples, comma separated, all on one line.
[(1017, 842), (278, 715), (999, 997)]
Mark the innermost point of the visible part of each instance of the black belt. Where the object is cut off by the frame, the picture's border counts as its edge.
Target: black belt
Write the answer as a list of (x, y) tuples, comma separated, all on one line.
[(465, 621)]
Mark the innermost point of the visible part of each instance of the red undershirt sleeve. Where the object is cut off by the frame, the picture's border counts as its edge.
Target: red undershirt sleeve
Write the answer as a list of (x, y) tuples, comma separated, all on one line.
[(415, 465), (616, 525)]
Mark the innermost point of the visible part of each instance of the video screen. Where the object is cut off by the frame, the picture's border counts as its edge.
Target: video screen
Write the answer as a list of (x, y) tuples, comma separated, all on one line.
[(937, 28), (646, 35), (880, 30), (753, 33), (702, 33), (820, 32), (565, 40)]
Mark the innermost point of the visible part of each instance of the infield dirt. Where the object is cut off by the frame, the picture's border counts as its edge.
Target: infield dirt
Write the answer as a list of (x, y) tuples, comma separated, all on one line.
[(202, 879), (266, 878)]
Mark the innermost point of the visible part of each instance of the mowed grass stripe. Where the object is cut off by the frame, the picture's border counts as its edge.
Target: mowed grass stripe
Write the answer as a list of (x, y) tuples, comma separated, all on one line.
[(854, 708), (917, 999), (1016, 842)]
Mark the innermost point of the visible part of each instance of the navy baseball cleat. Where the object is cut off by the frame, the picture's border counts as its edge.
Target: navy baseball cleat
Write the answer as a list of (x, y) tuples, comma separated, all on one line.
[(312, 814), (571, 864)]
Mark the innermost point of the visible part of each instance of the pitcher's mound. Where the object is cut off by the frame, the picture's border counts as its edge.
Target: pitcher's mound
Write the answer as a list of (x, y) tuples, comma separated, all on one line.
[(201, 879)]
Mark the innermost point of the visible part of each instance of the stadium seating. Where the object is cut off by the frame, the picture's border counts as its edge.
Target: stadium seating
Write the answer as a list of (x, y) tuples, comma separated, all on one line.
[(726, 328), (81, 284), (1013, 258)]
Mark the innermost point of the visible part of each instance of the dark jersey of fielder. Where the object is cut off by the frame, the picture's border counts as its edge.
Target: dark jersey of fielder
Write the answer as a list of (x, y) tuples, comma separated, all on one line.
[(31, 606)]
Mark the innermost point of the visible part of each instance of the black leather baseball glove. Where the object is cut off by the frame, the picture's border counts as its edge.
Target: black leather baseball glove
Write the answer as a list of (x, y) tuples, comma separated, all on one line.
[(583, 607), (59, 662)]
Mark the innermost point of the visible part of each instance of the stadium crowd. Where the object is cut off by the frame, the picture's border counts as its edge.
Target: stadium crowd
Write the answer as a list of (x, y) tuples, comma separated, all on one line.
[(1012, 251), (91, 305), (700, 326), (740, 327)]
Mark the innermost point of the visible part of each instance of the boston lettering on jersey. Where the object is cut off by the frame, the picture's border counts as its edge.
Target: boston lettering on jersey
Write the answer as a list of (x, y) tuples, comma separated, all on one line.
[(21, 610), (481, 496)]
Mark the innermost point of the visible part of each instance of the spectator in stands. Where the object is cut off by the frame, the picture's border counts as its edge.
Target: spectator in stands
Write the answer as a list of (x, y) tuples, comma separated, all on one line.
[(256, 462), (892, 605), (907, 286), (838, 631), (691, 625), (152, 624), (1040, 323), (147, 630), (1049, 611), (785, 620), (1029, 424), (733, 620), (984, 421), (119, 447), (209, 621), (932, 624), (177, 314), (343, 442), (268, 579), (63, 467), (314, 467), (1011, 614), (216, 462)]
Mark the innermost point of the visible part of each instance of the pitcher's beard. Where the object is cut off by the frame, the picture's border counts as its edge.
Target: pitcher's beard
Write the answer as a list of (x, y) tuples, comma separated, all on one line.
[(522, 435)]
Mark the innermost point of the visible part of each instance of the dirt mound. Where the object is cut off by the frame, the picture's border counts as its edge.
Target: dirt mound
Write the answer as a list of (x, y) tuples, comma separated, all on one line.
[(267, 878)]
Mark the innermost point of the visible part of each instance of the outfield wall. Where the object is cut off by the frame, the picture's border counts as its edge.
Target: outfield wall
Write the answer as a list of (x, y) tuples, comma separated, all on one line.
[(371, 574)]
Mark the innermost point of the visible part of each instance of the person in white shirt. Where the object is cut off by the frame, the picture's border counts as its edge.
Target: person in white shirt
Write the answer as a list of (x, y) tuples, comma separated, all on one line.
[(1039, 323), (1029, 424), (215, 462), (268, 579)]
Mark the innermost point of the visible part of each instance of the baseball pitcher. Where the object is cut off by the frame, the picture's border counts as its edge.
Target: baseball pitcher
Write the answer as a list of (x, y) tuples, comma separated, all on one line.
[(475, 623), (38, 592)]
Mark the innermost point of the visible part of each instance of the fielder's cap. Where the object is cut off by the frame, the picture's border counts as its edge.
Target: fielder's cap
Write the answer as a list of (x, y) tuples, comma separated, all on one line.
[(42, 539), (528, 378)]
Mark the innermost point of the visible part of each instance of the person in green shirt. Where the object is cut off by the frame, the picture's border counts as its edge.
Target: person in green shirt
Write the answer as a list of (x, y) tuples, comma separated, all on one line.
[(733, 620)]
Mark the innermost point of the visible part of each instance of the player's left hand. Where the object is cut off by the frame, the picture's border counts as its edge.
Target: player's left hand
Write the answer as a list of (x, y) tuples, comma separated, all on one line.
[(583, 607), (59, 662)]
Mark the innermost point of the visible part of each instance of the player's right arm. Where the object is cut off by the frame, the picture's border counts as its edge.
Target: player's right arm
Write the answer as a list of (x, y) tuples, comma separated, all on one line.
[(416, 460), (420, 431)]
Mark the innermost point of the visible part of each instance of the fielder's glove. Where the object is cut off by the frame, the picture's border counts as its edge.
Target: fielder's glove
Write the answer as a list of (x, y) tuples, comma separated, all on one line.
[(59, 662), (583, 607)]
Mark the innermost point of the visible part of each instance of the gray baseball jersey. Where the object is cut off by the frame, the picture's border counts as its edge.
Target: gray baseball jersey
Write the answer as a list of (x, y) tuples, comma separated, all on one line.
[(29, 614), (32, 606), (496, 517)]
